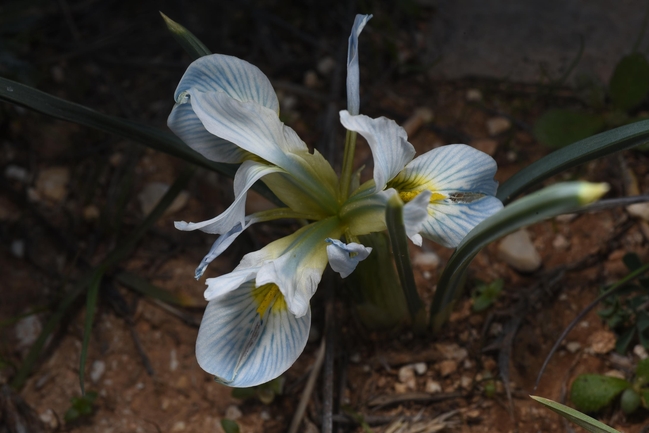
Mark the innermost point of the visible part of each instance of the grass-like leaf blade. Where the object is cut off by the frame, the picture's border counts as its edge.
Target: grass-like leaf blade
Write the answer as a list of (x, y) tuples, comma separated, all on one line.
[(91, 307), (190, 43), (573, 155), (582, 420)]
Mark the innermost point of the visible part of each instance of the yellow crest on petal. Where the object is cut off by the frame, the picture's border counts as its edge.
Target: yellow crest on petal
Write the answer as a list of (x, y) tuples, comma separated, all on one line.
[(268, 297)]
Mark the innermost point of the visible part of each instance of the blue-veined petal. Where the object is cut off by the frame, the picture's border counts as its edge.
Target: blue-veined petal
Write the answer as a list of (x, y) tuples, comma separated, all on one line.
[(298, 270), (247, 174), (248, 336), (449, 169), (389, 143), (415, 214), (235, 77), (249, 125), (188, 127), (353, 73), (343, 257), (449, 222)]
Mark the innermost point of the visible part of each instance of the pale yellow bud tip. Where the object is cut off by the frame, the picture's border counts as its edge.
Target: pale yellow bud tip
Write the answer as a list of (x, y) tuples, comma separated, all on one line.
[(590, 192)]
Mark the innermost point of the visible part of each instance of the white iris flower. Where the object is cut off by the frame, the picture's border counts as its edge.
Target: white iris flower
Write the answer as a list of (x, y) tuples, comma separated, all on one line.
[(258, 317)]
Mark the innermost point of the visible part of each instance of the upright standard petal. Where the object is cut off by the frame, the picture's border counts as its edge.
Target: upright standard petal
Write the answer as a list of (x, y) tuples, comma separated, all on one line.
[(343, 257), (248, 337), (298, 270), (235, 77), (389, 143), (353, 72), (249, 173), (460, 179), (187, 126), (249, 125)]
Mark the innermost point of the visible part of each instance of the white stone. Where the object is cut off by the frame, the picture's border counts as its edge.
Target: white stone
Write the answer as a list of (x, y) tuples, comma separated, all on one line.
[(498, 125), (52, 183), (473, 95), (153, 192), (18, 248), (15, 172), (407, 377), (97, 370), (27, 331), (573, 346), (560, 242), (420, 368), (639, 210), (326, 65), (179, 426), (433, 387), (233, 412), (426, 259), (518, 251), (640, 351), (452, 351)]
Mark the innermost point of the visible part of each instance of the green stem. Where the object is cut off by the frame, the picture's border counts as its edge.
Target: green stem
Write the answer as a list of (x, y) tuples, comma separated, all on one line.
[(348, 164)]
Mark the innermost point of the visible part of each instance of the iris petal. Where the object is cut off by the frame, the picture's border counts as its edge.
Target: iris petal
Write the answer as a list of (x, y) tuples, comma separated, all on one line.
[(243, 345), (353, 72), (389, 143), (188, 127), (343, 257), (247, 174), (235, 77)]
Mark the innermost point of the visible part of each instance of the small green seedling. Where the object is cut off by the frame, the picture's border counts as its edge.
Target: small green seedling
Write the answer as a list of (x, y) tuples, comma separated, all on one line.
[(265, 392), (484, 295), (229, 426), (80, 407), (626, 313), (594, 392)]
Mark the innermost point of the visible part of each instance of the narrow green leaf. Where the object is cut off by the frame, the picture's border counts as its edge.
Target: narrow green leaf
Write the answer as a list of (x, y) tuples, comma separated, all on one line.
[(154, 138), (573, 155), (584, 421), (629, 84), (593, 392), (115, 256), (186, 39), (91, 307), (560, 127), (399, 243), (549, 202)]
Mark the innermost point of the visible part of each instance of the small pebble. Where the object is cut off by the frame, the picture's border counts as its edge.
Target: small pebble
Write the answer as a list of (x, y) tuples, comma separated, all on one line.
[(518, 251), (573, 346), (407, 377), (173, 360), (452, 351), (179, 426), (15, 172), (311, 79), (355, 358), (27, 331), (447, 367), (466, 382), (498, 125), (639, 210), (420, 368), (91, 212), (52, 183), (18, 248), (326, 65), (640, 351), (602, 342), (615, 373), (560, 242), (233, 412), (97, 370), (426, 259), (264, 415), (473, 95), (48, 417), (486, 145), (433, 387)]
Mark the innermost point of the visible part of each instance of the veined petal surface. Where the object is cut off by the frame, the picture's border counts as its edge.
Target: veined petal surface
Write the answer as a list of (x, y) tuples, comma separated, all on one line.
[(449, 169), (343, 257), (249, 125), (235, 77), (248, 337), (449, 222), (298, 270), (353, 72), (248, 173), (187, 126), (389, 143), (415, 215)]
